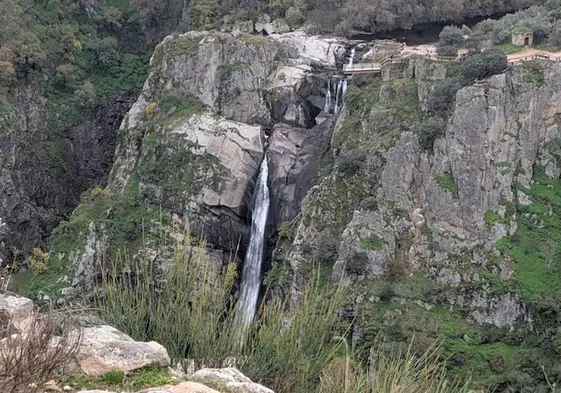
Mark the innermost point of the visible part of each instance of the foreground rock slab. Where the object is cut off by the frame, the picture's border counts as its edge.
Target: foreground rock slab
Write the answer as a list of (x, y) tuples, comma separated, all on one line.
[(184, 387), (105, 348), (231, 378)]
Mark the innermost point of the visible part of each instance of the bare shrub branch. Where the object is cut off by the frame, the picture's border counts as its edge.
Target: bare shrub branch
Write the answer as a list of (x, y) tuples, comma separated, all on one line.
[(30, 359)]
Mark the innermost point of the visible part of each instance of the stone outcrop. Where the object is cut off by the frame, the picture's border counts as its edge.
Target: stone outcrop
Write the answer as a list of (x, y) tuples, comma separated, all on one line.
[(295, 154), (438, 212), (190, 147), (243, 27), (104, 348)]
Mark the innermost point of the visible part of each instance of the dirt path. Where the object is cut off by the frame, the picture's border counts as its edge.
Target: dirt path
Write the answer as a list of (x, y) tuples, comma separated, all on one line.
[(527, 52), (429, 51)]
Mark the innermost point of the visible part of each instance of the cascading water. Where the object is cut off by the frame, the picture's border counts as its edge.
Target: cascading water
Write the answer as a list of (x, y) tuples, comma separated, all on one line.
[(333, 107), (339, 95), (327, 106), (251, 274)]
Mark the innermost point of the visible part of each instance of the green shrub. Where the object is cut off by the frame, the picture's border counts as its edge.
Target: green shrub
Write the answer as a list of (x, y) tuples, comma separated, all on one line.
[(450, 38), (357, 263), (535, 72), (447, 51), (475, 41), (446, 181), (132, 304), (7, 69), (387, 293), (85, 94), (491, 218), (484, 64), (351, 162), (372, 243), (429, 130), (394, 369), (291, 359), (286, 231), (369, 203), (555, 35), (442, 98)]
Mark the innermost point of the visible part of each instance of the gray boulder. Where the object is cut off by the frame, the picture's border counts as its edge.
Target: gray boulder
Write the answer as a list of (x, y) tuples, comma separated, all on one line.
[(279, 26), (243, 27), (261, 22), (104, 348)]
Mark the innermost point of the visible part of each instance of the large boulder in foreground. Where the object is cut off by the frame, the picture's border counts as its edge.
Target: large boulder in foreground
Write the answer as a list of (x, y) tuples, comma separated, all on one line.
[(104, 348)]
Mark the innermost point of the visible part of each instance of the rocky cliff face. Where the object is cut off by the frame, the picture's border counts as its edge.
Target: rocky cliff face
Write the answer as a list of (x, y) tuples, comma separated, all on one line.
[(457, 239), (45, 166), (191, 145), (437, 228)]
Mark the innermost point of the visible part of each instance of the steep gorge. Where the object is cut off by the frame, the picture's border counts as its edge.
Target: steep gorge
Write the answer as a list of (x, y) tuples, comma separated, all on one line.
[(450, 238), (191, 145)]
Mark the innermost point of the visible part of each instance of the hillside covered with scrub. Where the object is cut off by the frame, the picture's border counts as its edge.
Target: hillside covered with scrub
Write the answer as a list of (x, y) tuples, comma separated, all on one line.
[(240, 196)]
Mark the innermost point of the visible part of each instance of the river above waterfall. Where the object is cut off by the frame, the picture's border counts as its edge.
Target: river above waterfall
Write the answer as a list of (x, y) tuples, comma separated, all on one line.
[(421, 34)]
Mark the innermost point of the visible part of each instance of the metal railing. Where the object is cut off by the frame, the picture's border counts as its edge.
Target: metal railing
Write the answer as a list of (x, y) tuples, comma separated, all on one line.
[(539, 56), (362, 67)]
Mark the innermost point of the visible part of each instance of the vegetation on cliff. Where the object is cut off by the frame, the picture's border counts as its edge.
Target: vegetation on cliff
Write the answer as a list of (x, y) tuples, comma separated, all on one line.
[(189, 307), (79, 52)]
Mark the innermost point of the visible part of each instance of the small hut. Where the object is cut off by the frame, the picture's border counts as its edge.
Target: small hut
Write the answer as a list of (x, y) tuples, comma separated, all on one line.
[(522, 36)]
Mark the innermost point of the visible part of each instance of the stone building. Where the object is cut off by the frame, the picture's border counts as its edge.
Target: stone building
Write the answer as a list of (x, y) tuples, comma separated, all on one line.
[(522, 36)]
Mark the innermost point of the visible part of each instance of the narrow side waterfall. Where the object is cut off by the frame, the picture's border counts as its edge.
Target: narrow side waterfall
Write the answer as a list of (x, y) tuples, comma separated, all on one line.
[(327, 106), (352, 58), (251, 274)]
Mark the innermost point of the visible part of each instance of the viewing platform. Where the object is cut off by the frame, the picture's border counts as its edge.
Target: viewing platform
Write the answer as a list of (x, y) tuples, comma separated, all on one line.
[(372, 68), (362, 68)]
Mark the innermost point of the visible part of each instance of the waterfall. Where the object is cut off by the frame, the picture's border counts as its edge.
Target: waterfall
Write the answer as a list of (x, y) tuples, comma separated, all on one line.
[(339, 95), (251, 274), (327, 106), (332, 104), (352, 58)]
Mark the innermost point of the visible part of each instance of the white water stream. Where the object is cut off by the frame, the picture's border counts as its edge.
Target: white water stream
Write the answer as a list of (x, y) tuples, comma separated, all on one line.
[(251, 274)]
